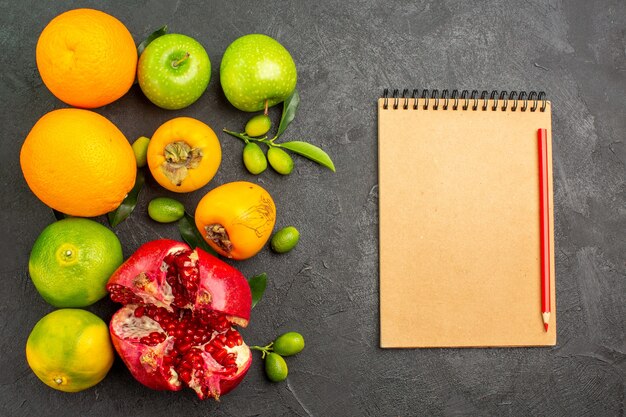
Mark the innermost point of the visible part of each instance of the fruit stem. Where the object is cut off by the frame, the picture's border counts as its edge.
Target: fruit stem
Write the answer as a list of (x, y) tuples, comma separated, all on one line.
[(175, 64), (266, 111), (244, 137), (264, 349), (269, 142)]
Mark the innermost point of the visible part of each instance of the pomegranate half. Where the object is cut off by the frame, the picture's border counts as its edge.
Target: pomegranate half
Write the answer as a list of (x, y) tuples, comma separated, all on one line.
[(178, 323)]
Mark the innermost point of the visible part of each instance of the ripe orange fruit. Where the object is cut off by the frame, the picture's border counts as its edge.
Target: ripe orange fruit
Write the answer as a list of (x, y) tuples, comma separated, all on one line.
[(184, 154), (236, 219), (86, 58), (78, 162)]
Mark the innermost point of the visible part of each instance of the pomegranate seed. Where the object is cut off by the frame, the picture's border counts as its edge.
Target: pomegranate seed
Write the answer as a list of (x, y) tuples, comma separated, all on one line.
[(235, 337), (220, 355), (156, 337), (185, 376), (123, 295), (139, 311), (184, 348)]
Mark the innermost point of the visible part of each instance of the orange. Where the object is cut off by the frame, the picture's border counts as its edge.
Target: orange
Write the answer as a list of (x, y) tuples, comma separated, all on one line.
[(78, 162), (72, 260), (70, 350), (184, 154), (236, 219), (86, 58)]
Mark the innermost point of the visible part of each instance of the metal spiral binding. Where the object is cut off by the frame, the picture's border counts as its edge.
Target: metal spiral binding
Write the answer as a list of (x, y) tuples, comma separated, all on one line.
[(469, 100)]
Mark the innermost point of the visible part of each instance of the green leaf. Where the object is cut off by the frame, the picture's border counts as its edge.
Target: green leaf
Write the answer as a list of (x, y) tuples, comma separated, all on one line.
[(60, 216), (257, 287), (157, 33), (312, 152), (191, 235), (289, 112), (128, 205)]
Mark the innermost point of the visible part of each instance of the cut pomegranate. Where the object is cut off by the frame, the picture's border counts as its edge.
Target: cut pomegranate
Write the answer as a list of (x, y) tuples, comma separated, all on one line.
[(178, 323)]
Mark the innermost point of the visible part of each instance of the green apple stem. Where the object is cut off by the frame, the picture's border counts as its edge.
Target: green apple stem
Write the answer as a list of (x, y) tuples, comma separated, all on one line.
[(266, 111), (180, 61)]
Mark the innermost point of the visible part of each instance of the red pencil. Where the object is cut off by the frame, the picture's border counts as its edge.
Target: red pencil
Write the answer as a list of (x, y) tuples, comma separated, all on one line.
[(544, 224)]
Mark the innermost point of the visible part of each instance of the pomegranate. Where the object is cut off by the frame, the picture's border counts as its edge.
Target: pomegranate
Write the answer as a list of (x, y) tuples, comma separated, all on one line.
[(178, 323)]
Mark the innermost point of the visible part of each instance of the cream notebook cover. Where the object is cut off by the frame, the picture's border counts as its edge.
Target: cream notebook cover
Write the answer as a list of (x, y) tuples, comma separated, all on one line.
[(459, 220)]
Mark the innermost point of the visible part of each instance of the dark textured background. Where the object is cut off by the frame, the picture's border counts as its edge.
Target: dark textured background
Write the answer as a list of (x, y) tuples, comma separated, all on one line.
[(327, 289)]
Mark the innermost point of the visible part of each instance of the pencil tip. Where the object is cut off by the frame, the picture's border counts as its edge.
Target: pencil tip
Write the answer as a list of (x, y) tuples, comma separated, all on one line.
[(546, 319)]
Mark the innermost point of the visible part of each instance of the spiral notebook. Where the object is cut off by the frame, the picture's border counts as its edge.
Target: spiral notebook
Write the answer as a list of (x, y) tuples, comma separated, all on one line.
[(459, 219)]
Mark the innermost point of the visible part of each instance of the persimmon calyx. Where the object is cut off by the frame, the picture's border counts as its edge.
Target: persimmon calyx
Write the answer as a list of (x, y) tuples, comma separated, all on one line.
[(218, 234), (179, 158)]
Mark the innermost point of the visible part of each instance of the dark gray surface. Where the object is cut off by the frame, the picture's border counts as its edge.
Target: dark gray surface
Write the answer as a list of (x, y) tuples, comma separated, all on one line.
[(327, 289)]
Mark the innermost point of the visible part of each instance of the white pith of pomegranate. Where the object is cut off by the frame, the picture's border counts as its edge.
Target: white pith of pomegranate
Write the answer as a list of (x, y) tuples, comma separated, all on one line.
[(178, 323)]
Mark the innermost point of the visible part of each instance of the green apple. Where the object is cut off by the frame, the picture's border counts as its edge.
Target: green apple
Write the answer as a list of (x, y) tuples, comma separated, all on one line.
[(257, 69), (173, 71)]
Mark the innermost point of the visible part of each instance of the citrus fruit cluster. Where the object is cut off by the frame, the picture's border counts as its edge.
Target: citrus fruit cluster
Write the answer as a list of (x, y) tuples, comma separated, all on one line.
[(81, 165), (287, 344), (78, 163), (75, 160), (70, 264)]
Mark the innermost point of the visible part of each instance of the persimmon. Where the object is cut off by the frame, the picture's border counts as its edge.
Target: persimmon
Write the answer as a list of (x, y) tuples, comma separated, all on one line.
[(236, 219), (184, 154)]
